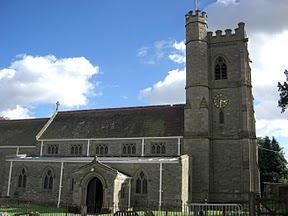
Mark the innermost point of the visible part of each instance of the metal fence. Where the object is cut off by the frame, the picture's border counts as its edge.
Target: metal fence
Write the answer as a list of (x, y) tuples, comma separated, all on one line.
[(14, 207)]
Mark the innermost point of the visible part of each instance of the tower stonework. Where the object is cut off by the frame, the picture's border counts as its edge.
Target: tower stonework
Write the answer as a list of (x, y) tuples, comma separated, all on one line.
[(219, 127)]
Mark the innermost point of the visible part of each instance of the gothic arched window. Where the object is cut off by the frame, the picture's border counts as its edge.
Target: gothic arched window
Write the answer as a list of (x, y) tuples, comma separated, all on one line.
[(220, 69), (48, 180), (22, 179), (141, 184), (101, 149), (158, 148), (129, 149)]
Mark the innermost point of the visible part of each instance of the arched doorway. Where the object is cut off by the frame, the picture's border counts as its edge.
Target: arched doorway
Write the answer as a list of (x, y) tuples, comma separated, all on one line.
[(94, 197)]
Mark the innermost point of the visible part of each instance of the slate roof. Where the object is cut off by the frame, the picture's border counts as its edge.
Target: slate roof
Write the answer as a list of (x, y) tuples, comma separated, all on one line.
[(20, 132), (148, 121)]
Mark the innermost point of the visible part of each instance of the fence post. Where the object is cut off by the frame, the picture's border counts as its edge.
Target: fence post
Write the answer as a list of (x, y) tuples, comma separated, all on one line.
[(252, 202)]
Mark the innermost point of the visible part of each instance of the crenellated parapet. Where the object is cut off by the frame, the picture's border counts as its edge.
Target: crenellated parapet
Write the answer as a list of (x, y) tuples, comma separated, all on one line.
[(196, 16), (220, 37)]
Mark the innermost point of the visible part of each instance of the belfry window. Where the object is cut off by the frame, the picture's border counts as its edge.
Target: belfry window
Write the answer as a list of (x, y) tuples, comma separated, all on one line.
[(22, 179), (141, 184), (48, 180), (158, 148), (52, 149), (129, 149), (101, 149), (220, 69), (76, 150)]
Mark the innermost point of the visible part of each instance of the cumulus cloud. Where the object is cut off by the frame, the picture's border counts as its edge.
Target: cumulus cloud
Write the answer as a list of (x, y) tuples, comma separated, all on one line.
[(168, 90), (268, 16), (43, 80), (17, 113), (178, 56)]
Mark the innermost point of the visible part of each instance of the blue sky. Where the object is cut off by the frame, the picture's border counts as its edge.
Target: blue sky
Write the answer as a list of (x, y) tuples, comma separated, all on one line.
[(128, 53)]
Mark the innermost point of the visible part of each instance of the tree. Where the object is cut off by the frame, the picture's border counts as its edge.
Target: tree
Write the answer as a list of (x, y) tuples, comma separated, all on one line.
[(2, 118), (283, 101), (273, 165)]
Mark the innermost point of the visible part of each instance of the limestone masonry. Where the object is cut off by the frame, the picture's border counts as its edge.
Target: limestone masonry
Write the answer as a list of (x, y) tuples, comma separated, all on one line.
[(203, 150)]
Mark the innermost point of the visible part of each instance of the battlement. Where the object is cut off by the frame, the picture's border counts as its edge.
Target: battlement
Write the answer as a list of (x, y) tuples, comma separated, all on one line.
[(196, 16), (219, 36)]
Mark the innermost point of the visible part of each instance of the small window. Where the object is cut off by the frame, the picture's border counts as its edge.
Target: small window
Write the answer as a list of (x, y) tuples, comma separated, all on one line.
[(129, 149), (220, 69), (141, 184), (76, 149), (158, 148), (52, 149), (101, 149), (22, 179), (221, 117), (48, 180)]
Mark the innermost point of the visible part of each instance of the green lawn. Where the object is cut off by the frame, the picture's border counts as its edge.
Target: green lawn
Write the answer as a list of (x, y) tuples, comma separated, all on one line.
[(45, 211)]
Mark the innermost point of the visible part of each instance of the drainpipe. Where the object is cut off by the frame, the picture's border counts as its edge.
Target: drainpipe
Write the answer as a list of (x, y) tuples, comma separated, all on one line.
[(179, 147), (60, 185), (9, 179), (88, 148), (142, 149), (129, 193), (41, 148), (160, 187)]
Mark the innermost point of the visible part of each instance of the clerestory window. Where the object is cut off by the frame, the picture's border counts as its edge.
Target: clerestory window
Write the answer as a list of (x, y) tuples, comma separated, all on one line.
[(76, 149), (158, 148), (129, 149)]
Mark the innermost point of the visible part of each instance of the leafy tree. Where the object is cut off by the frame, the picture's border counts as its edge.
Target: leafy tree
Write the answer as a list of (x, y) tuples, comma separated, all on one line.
[(283, 89), (2, 118), (273, 165)]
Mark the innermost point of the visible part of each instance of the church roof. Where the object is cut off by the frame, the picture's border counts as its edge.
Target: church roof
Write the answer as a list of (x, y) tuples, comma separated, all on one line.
[(148, 121), (20, 132)]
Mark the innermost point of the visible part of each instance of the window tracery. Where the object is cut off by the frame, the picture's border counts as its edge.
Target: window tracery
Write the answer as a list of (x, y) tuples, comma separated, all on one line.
[(220, 69), (22, 179), (141, 184), (48, 180)]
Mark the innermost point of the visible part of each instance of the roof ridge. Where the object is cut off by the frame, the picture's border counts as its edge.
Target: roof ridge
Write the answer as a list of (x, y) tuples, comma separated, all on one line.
[(122, 108), (21, 120)]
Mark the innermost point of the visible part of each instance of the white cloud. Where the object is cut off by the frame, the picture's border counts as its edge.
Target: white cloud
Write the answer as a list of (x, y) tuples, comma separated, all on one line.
[(168, 90), (45, 79), (268, 16), (227, 2), (16, 113), (178, 55), (161, 50)]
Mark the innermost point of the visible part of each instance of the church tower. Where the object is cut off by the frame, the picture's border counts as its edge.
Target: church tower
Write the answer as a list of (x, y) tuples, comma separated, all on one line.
[(219, 129)]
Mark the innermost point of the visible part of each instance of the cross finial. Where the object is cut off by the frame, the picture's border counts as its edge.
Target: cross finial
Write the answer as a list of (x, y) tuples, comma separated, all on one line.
[(57, 105)]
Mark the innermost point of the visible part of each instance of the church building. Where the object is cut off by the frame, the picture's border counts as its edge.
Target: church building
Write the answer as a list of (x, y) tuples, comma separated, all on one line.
[(202, 151)]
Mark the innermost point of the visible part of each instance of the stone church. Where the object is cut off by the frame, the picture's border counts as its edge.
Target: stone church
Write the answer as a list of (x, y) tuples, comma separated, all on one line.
[(203, 150)]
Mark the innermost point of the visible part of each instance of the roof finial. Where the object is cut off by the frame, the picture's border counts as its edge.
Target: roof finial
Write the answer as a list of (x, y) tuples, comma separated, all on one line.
[(286, 74), (57, 105)]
